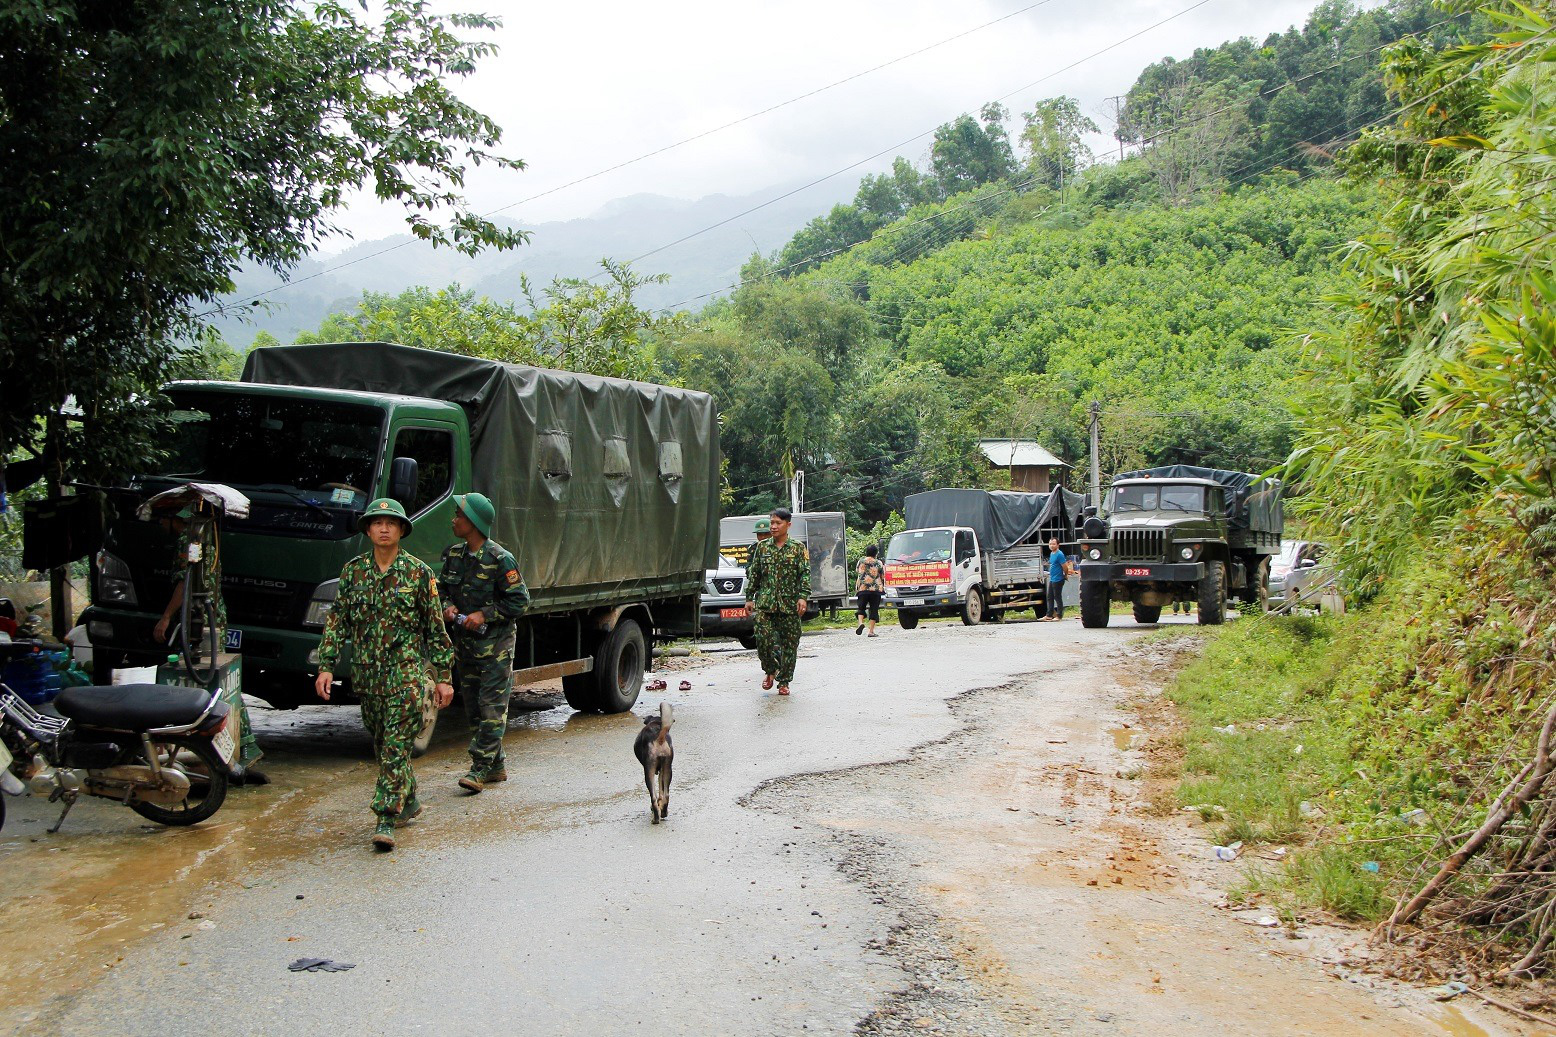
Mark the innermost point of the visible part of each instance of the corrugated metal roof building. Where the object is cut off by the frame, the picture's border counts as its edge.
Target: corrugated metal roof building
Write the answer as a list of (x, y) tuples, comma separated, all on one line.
[(1030, 465)]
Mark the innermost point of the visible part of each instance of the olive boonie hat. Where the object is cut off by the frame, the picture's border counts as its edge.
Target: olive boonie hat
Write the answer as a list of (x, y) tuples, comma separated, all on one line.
[(764, 525), (384, 507), (478, 508)]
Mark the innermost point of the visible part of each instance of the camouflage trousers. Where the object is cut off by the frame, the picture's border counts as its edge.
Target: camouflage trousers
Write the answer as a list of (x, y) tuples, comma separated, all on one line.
[(483, 676), (394, 719), (778, 643)]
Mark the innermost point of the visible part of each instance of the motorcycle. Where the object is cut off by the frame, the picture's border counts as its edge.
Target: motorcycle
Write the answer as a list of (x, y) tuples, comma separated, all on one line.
[(165, 752)]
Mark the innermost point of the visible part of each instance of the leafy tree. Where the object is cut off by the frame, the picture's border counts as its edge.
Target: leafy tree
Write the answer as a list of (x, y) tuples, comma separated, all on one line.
[(968, 152), (149, 149), (1054, 140)]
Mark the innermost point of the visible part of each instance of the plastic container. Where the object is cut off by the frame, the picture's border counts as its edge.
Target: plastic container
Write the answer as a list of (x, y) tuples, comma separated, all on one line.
[(33, 677)]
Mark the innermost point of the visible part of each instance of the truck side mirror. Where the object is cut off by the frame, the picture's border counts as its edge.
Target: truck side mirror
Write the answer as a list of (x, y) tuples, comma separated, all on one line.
[(404, 474)]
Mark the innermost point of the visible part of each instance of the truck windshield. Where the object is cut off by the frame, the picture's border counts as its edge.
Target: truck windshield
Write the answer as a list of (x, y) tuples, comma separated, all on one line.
[(920, 545), (1166, 497), (319, 451)]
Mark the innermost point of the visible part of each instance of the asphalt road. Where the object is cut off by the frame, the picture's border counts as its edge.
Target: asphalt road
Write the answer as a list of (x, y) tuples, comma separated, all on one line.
[(550, 904)]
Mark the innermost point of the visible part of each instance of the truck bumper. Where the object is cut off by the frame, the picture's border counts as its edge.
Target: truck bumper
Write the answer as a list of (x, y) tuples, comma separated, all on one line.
[(916, 602), (129, 633), (1142, 572)]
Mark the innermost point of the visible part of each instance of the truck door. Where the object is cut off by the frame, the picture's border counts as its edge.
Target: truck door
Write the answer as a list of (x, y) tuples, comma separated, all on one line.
[(967, 571), (431, 507)]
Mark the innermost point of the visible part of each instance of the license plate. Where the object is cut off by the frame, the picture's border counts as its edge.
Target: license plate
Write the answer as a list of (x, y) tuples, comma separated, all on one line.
[(734, 613), (1137, 572), (913, 601), (226, 745), (234, 640)]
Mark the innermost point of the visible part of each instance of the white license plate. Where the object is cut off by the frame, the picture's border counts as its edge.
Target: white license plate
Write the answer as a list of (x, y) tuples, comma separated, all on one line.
[(226, 745), (913, 601), (234, 640)]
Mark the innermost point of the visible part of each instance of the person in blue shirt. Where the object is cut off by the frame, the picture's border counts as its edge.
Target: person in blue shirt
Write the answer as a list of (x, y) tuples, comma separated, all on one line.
[(1056, 564)]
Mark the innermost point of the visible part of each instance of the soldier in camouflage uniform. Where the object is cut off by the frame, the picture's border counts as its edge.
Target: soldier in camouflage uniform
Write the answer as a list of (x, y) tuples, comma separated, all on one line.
[(387, 606), (777, 585), (480, 581), (189, 529)]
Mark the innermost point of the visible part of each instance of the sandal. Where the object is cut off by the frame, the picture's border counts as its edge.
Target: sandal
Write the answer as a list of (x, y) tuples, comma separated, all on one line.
[(767, 682), (654, 685), (783, 689), (686, 685)]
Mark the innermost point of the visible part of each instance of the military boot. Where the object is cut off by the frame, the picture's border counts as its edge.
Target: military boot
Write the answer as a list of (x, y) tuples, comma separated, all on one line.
[(472, 782), (495, 775), (411, 811), (383, 835)]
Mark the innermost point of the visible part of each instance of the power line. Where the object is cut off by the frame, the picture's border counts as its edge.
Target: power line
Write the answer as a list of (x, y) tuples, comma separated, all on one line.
[(656, 152)]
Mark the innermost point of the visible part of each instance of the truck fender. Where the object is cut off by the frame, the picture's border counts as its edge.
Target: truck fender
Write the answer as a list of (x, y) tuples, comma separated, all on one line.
[(605, 620)]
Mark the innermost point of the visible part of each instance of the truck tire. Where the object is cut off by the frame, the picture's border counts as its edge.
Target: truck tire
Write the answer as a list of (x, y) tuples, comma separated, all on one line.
[(1094, 605), (747, 641), (618, 668), (907, 620), (1259, 589), (1212, 595), (429, 724), (1148, 613), (972, 608)]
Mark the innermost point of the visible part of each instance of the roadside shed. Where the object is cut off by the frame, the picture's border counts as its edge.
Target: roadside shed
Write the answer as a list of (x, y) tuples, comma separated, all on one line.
[(1031, 466)]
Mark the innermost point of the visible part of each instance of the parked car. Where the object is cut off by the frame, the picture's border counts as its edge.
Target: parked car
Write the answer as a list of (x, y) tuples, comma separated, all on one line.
[(724, 611), (1297, 573)]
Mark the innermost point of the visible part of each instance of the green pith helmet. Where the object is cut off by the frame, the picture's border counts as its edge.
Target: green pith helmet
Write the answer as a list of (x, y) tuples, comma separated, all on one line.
[(381, 508), (764, 525), (478, 509)]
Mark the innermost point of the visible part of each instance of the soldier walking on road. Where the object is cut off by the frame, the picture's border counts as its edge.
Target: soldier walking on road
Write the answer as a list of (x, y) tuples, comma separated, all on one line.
[(484, 592), (777, 585), (387, 606)]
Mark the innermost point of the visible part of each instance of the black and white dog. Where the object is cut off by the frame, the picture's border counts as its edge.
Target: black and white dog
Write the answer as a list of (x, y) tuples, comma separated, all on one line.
[(655, 753)]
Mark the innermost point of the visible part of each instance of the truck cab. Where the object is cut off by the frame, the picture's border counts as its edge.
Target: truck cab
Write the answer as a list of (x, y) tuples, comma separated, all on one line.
[(309, 460)]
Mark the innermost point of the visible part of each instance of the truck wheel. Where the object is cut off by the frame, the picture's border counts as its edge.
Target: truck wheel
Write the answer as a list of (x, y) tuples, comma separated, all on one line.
[(995, 616), (1148, 613), (618, 668), (907, 620), (747, 641), (972, 609), (1212, 595), (1094, 605), (1260, 592)]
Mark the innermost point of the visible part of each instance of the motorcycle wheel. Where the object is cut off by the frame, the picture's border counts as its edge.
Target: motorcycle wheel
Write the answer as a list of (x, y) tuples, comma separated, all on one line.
[(207, 782)]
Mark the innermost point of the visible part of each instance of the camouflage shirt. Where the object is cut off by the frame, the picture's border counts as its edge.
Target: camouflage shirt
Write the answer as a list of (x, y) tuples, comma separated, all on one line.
[(394, 621), (487, 582), (778, 577)]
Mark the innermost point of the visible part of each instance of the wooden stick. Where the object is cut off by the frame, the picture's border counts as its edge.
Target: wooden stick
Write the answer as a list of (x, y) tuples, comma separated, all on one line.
[(1543, 1020)]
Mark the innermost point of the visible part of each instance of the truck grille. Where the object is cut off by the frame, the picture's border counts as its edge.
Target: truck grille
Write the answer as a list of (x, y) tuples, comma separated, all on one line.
[(267, 607), (728, 585), (910, 591), (1139, 545)]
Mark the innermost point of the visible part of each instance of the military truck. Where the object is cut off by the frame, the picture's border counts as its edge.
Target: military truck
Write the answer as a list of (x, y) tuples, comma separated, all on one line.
[(606, 491), (1180, 533), (977, 554)]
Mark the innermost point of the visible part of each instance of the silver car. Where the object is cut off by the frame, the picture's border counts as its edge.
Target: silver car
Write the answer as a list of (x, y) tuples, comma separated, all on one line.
[(724, 611), (1298, 573)]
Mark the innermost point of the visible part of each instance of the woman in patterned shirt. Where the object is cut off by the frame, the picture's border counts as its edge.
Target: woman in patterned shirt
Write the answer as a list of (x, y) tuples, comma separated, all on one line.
[(869, 583)]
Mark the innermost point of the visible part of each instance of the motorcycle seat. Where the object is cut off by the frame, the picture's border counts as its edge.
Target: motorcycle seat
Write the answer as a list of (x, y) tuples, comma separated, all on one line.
[(132, 707)]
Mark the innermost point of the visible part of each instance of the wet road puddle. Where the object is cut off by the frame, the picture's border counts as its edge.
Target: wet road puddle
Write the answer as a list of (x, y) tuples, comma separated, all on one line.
[(1126, 738)]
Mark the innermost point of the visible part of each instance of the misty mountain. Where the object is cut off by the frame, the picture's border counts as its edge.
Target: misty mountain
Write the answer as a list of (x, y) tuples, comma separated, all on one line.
[(623, 229)]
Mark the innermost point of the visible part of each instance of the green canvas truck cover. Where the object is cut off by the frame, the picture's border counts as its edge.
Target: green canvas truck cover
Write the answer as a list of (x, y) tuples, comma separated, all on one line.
[(605, 489), (1002, 518)]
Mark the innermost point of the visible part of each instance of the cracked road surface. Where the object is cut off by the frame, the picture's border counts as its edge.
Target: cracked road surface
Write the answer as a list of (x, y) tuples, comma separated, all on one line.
[(941, 831)]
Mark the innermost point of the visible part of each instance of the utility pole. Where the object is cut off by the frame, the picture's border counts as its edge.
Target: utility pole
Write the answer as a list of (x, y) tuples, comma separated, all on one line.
[(796, 492), (1094, 426), (1117, 115)]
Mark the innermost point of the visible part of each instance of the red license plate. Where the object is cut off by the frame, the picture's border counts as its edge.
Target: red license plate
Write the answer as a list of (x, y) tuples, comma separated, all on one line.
[(734, 613), (1137, 572)]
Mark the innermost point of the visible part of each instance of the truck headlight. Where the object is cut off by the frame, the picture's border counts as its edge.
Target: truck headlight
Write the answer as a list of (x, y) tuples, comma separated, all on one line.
[(319, 606), (115, 586), (1094, 554), (942, 588)]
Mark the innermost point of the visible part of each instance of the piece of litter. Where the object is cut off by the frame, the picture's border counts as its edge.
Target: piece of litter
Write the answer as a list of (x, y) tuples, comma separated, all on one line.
[(1371, 866), (318, 965), (1267, 921), (1228, 853), (1058, 741), (1014, 809), (1308, 810), (206, 924), (1449, 991), (1230, 729), (1413, 817), (1298, 750)]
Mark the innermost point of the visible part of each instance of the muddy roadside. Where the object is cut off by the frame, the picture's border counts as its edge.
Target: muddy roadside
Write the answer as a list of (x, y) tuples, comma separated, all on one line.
[(1043, 884)]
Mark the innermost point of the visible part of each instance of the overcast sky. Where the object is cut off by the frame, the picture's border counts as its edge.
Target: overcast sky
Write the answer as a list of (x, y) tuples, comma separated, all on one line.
[(584, 85)]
